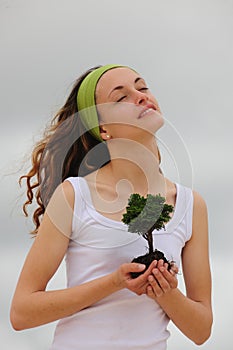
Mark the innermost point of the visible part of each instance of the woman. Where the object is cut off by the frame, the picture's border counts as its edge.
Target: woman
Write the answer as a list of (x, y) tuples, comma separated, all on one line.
[(83, 185)]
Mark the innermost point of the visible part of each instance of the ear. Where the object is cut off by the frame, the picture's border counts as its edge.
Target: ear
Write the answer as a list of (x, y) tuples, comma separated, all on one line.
[(104, 133)]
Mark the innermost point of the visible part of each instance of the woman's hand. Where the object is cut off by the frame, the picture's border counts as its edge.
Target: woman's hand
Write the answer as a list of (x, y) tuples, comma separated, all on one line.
[(161, 280), (137, 285)]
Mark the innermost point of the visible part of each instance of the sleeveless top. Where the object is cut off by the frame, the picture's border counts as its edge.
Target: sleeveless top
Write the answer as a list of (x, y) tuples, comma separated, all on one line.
[(97, 247)]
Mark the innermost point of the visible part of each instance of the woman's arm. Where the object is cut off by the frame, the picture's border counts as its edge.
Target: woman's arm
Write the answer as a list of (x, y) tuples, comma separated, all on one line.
[(32, 305), (192, 314)]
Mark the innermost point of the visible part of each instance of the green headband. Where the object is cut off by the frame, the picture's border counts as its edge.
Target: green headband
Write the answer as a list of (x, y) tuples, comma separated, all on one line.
[(86, 99)]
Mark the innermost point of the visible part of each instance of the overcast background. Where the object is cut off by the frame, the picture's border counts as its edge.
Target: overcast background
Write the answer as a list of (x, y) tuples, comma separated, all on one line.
[(184, 49)]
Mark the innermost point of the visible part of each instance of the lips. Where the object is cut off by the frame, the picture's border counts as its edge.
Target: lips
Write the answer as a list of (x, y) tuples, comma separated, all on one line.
[(148, 109)]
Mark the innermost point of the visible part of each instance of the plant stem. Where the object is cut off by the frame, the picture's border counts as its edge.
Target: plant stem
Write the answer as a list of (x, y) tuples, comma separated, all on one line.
[(150, 240)]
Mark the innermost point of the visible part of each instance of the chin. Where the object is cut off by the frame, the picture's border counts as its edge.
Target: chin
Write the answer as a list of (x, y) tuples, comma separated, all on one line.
[(156, 124)]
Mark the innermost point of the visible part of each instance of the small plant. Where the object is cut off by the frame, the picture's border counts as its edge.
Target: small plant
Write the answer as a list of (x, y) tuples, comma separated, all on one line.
[(143, 216)]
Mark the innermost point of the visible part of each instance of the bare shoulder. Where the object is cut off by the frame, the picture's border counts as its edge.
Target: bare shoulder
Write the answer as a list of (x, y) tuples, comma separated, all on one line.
[(198, 245), (64, 193), (68, 190), (199, 204), (200, 219), (60, 209)]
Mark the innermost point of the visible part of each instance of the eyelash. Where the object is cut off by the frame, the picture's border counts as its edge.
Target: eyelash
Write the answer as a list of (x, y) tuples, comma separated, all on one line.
[(120, 99), (142, 89)]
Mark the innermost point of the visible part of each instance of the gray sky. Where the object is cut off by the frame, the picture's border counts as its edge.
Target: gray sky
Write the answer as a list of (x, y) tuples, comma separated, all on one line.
[(183, 48)]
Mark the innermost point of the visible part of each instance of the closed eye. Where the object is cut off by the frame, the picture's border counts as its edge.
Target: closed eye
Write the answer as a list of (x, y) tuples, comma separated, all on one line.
[(120, 99)]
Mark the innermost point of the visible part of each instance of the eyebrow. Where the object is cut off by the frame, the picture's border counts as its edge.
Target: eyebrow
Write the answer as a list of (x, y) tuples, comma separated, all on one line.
[(121, 86)]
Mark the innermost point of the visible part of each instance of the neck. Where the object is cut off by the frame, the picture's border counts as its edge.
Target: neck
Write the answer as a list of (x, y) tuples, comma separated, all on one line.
[(135, 166)]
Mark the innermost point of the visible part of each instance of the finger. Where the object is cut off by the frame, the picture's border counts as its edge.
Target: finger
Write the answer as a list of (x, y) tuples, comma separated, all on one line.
[(138, 285), (174, 268), (163, 283), (140, 282), (153, 264), (160, 263), (144, 276), (133, 267), (157, 291), (150, 292), (172, 271), (170, 277)]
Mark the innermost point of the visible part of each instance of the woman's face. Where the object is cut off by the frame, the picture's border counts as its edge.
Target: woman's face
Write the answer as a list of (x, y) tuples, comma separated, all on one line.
[(126, 106)]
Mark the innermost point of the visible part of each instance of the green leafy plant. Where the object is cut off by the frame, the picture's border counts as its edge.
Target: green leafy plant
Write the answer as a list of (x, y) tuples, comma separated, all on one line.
[(143, 216)]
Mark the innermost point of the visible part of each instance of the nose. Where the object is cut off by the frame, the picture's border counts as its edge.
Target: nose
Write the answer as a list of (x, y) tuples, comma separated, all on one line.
[(140, 98)]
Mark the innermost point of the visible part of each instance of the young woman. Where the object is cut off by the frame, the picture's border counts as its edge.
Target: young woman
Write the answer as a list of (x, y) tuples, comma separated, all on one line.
[(85, 169)]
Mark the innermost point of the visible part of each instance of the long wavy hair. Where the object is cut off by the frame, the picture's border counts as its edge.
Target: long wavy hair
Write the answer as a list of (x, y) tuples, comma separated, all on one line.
[(66, 149)]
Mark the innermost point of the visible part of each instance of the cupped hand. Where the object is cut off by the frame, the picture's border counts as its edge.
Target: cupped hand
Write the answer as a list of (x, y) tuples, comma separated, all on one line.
[(162, 280), (137, 285)]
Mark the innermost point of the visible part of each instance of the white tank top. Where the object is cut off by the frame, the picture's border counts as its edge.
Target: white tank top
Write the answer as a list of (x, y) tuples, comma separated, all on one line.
[(97, 247)]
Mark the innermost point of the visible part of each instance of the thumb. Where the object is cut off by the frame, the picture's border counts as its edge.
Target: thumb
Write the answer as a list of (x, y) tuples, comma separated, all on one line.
[(135, 267)]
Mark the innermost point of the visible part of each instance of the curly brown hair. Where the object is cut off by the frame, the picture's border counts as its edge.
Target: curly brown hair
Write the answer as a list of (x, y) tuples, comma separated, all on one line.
[(65, 150)]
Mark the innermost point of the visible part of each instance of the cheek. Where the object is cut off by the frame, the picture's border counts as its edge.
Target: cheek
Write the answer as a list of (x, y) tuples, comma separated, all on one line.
[(118, 113), (124, 131), (123, 118)]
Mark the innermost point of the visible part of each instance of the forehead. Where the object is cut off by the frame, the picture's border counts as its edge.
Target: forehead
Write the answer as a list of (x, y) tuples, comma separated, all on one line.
[(121, 76)]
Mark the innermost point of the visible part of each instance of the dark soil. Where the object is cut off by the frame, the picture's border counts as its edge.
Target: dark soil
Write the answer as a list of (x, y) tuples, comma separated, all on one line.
[(147, 260)]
